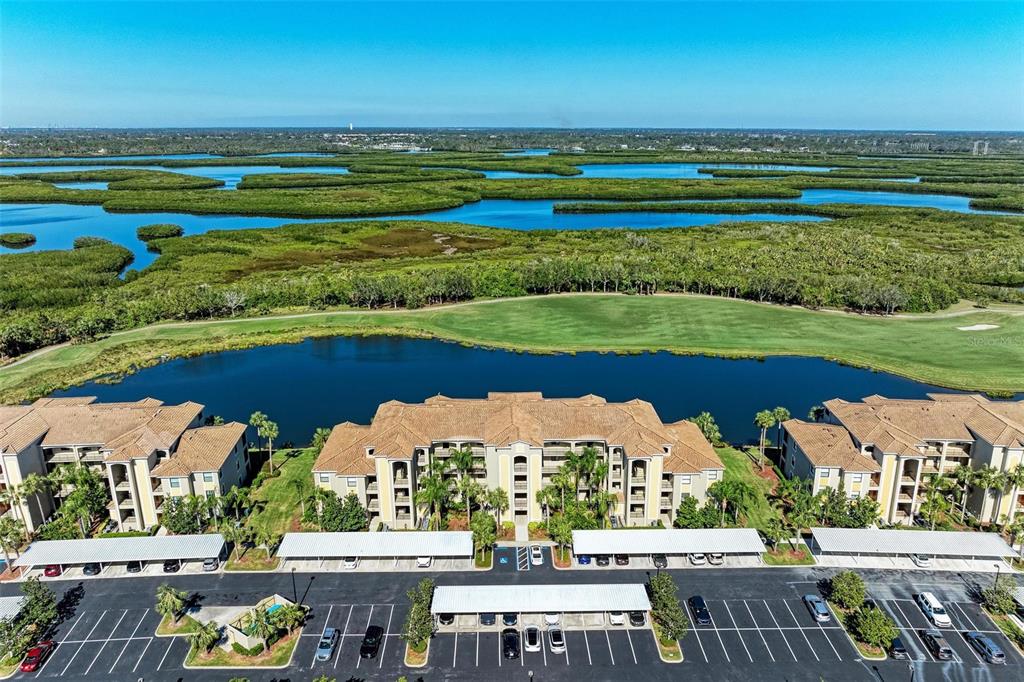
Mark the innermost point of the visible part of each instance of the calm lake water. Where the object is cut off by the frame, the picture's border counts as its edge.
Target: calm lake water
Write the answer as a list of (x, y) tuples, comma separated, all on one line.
[(322, 382)]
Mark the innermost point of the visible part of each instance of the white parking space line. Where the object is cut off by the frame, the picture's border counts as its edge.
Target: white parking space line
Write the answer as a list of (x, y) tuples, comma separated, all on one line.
[(565, 641), (387, 631), (105, 642), (742, 641), (631, 649), (784, 638), (73, 626), (164, 658), (326, 621), (836, 651), (586, 640), (128, 641), (478, 649), (341, 643), (135, 667), (100, 620), (455, 653), (964, 637), (609, 640), (499, 651), (719, 634), (701, 645), (522, 643), (793, 616), (965, 616), (369, 618), (759, 631)]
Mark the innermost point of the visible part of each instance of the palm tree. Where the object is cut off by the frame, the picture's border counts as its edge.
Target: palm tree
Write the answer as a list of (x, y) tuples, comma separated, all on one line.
[(462, 461), (988, 478), (169, 601), (604, 502), (497, 499), (1014, 477), (735, 493), (270, 431), (964, 475), (204, 636), (780, 414), (262, 625), (35, 485), (561, 480), (320, 437), (434, 492), (11, 534), (257, 420), (301, 488), (290, 616), (12, 496), (935, 503), (765, 419)]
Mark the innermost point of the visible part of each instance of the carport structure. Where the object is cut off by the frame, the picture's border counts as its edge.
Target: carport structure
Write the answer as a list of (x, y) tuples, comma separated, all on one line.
[(457, 545), (668, 541), (571, 598), (107, 551), (973, 545)]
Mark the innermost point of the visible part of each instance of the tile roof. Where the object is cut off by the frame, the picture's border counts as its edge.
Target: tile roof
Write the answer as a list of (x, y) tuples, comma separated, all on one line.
[(505, 418), (202, 449), (828, 445), (903, 426)]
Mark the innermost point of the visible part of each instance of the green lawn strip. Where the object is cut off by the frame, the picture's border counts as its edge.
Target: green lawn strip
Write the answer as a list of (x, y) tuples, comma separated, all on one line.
[(277, 499), (8, 667), (484, 560), (168, 628), (1009, 628), (926, 348), (277, 657), (670, 653), (866, 650), (254, 559), (738, 466), (787, 557)]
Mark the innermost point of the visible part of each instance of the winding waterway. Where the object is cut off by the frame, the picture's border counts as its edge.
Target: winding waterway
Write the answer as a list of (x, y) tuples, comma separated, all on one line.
[(321, 382)]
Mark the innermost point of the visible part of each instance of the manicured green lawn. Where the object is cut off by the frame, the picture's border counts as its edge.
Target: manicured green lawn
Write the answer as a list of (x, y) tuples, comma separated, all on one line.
[(277, 657), (184, 626), (738, 466), (786, 557), (927, 348), (277, 499)]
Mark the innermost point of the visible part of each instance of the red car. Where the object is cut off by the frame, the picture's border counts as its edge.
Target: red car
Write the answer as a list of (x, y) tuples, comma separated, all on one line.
[(36, 655), (52, 571)]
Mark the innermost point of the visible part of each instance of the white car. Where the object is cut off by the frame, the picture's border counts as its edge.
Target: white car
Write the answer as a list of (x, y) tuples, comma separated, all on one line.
[(424, 561), (921, 560), (556, 640), (350, 562), (933, 609), (532, 639), (698, 559), (536, 555), (716, 559), (551, 619), (616, 618)]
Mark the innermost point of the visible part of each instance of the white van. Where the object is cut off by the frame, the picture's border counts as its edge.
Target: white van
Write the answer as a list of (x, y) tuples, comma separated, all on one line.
[(933, 609)]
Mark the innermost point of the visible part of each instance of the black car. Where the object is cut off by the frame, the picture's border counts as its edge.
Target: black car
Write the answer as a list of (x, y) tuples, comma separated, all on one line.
[(898, 650), (509, 619), (622, 560), (637, 619), (937, 644), (446, 618), (134, 567), (510, 643), (603, 560), (91, 569), (371, 641), (487, 619), (700, 610), (172, 566), (660, 560)]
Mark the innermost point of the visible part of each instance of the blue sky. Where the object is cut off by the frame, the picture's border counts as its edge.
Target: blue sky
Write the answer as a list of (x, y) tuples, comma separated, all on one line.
[(917, 65)]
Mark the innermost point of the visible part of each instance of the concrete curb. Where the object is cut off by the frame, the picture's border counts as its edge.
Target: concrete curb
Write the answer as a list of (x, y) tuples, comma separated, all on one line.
[(658, 645), (426, 657)]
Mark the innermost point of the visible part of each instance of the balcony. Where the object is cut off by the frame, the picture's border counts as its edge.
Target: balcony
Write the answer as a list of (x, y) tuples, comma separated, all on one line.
[(62, 458), (371, 488), (666, 485), (637, 515), (637, 481), (522, 503), (403, 517), (906, 480), (402, 500), (126, 503), (125, 486), (637, 498), (520, 469), (520, 486), (549, 469), (402, 482), (373, 505)]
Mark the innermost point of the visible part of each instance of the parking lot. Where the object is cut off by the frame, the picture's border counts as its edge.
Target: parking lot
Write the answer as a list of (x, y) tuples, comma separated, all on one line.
[(375, 565), (351, 622), (150, 568)]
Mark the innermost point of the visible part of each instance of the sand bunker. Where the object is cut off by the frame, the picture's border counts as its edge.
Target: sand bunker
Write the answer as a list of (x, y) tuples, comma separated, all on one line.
[(978, 327)]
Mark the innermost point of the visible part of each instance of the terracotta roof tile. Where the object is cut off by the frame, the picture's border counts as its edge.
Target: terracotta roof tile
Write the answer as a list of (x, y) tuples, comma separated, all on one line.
[(828, 445), (200, 450)]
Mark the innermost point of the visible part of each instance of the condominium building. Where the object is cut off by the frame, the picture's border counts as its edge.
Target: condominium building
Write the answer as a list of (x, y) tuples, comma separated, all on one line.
[(145, 450), (887, 449), (519, 441)]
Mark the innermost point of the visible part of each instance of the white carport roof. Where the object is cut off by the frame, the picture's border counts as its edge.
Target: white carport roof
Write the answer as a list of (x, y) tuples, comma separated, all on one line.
[(10, 606), (122, 550), (895, 542), (569, 598), (387, 544), (667, 541)]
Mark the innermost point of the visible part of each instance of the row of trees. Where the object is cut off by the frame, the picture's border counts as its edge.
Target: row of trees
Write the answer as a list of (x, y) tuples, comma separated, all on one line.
[(867, 623), (34, 621), (333, 513)]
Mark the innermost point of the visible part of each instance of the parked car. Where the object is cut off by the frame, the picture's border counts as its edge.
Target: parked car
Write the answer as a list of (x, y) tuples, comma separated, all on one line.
[(583, 559), (172, 566), (325, 648), (36, 656), (556, 640), (921, 560), (350, 562), (211, 564), (52, 571), (660, 560), (509, 619), (134, 567), (531, 639), (510, 643), (622, 560), (898, 650), (603, 560), (91, 569), (716, 558), (933, 609), (371, 641), (551, 619), (698, 559), (637, 619), (536, 555), (487, 618), (817, 608), (446, 618), (616, 618), (937, 645), (424, 561), (986, 648), (701, 614)]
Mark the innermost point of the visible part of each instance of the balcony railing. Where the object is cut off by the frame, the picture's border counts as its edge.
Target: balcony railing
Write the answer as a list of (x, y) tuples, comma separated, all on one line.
[(638, 480), (637, 498), (403, 517), (124, 486), (373, 505), (522, 504), (637, 515), (520, 469), (521, 486), (371, 488), (906, 480), (666, 485)]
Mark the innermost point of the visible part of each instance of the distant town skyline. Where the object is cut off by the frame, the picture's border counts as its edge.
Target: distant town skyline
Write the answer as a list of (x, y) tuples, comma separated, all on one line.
[(913, 66)]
